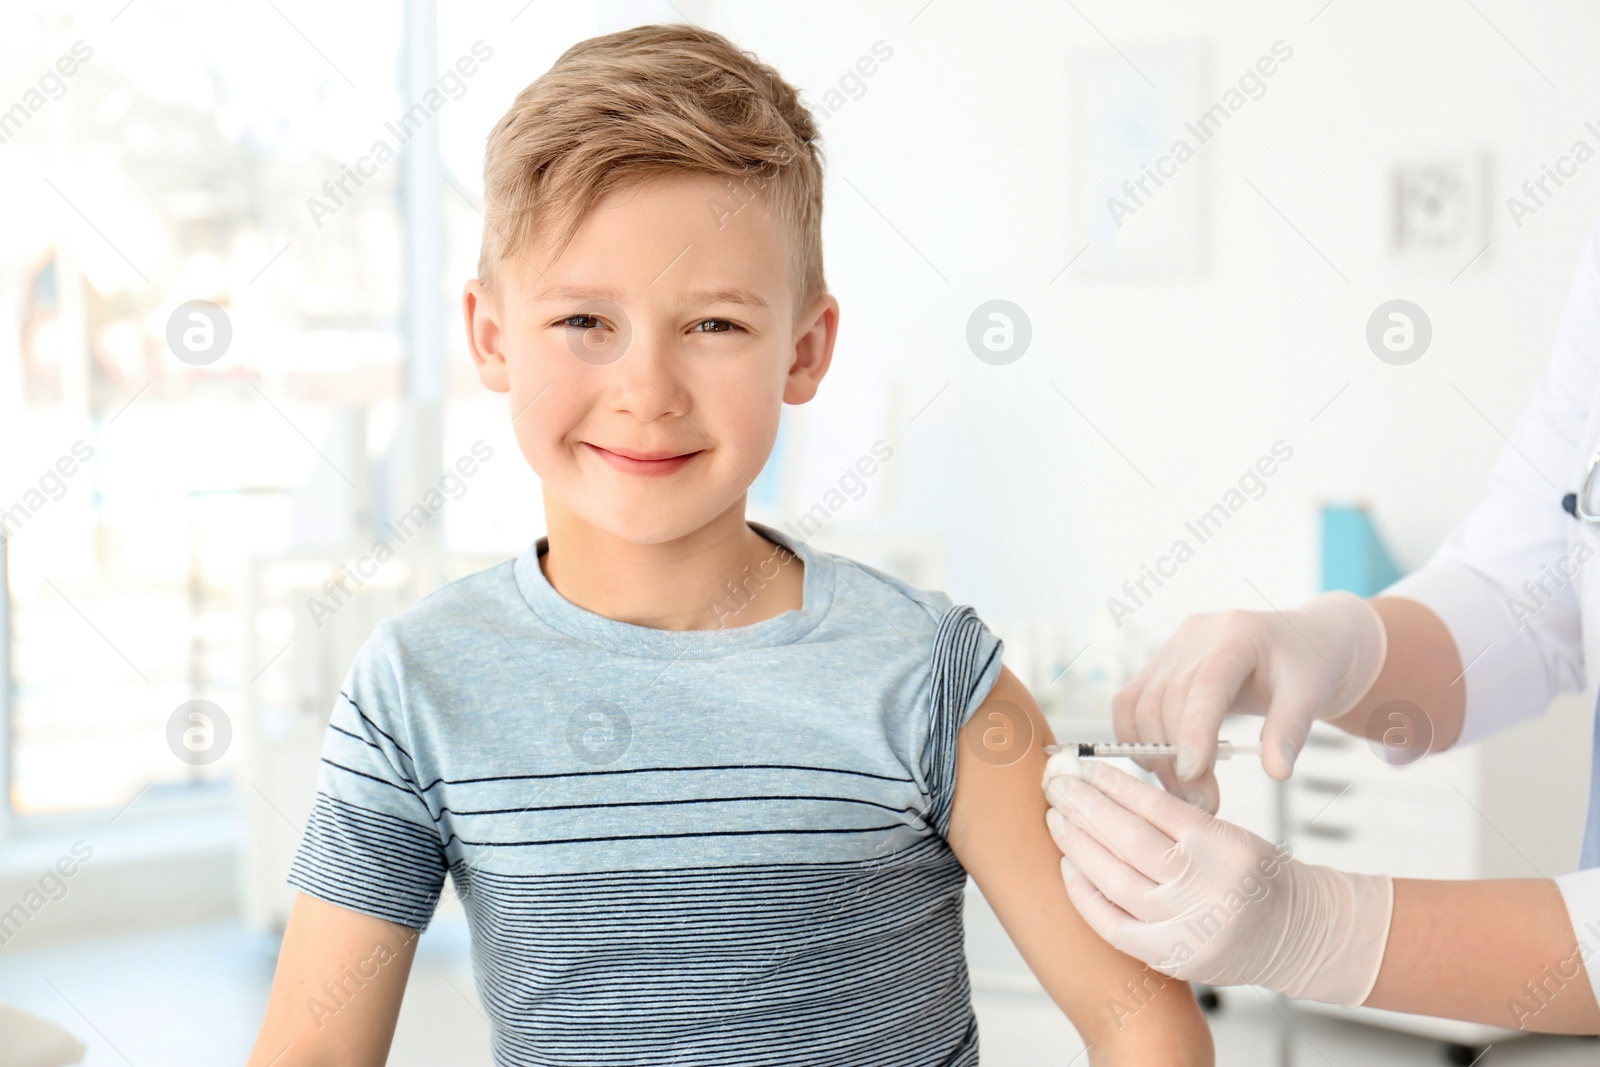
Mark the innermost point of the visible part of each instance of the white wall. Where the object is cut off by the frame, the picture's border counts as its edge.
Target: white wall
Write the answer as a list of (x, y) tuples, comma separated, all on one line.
[(961, 142)]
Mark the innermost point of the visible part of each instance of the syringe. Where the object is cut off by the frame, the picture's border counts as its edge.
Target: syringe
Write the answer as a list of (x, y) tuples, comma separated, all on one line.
[(1144, 750)]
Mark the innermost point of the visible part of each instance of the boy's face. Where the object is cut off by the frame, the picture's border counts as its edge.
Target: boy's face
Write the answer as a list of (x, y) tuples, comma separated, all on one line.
[(648, 365)]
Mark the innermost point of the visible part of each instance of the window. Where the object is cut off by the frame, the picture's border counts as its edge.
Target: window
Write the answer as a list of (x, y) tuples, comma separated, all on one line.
[(161, 154)]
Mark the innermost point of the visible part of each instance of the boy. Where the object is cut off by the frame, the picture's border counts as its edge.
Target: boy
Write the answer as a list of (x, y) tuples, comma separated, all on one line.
[(680, 838)]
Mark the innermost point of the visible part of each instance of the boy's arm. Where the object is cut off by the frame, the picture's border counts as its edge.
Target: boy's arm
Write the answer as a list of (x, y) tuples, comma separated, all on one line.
[(1126, 1012), (336, 995)]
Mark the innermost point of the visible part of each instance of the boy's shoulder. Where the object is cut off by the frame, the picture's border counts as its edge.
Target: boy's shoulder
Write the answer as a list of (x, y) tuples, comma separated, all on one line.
[(461, 609), (948, 644), (885, 597)]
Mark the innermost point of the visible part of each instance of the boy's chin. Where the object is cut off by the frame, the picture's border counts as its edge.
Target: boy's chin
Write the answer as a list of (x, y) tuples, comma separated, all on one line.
[(650, 525)]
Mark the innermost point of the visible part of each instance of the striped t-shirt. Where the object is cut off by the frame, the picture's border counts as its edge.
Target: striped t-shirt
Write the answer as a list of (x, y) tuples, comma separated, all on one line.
[(695, 847)]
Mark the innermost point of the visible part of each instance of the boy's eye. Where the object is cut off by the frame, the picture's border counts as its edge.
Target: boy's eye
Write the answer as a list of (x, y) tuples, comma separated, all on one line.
[(589, 322)]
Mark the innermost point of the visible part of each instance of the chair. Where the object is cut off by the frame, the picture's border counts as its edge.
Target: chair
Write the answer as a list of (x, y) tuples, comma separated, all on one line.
[(26, 1040)]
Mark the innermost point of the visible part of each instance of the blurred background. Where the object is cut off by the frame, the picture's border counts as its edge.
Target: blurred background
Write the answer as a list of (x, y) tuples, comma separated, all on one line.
[(231, 361)]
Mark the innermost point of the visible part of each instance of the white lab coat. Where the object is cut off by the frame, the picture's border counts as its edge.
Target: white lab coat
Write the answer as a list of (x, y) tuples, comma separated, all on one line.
[(1518, 581)]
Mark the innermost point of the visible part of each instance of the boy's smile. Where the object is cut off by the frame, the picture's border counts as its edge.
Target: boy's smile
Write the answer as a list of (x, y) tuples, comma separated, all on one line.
[(649, 464)]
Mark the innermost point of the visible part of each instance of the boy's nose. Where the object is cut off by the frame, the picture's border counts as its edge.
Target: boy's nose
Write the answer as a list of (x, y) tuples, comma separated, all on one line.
[(645, 381)]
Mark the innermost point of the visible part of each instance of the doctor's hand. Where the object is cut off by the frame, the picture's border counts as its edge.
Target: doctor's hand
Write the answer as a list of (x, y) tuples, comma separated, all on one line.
[(1204, 900), (1313, 662)]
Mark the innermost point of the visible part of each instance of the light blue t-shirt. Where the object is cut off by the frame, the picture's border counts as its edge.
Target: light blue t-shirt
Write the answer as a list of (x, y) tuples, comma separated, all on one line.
[(695, 847)]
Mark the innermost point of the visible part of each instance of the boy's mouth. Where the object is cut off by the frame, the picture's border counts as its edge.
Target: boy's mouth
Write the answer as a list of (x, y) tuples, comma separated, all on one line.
[(630, 461)]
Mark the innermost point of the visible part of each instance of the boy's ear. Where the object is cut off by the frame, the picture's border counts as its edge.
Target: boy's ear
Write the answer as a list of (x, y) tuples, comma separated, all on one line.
[(484, 335), (813, 350)]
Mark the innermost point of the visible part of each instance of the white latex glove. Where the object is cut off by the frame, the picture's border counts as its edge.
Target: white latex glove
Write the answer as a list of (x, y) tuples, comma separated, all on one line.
[(1312, 662), (1202, 899)]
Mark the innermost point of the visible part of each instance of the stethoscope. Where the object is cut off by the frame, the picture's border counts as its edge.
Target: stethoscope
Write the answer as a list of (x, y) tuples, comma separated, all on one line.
[(1572, 503)]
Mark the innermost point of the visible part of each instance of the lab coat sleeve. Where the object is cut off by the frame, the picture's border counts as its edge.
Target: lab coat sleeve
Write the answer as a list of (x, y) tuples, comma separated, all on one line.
[(1520, 643), (1580, 891)]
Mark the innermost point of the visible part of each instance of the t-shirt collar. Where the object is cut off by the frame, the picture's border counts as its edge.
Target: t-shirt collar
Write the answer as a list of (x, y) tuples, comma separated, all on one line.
[(647, 641)]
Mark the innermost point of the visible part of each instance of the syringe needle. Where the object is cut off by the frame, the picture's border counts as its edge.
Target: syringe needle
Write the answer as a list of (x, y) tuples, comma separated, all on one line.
[(1144, 749)]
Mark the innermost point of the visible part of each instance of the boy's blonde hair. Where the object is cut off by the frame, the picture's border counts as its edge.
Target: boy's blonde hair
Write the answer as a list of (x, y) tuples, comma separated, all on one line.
[(621, 108)]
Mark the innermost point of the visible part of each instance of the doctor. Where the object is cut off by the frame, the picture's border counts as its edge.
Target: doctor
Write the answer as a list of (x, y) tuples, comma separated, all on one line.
[(1504, 616)]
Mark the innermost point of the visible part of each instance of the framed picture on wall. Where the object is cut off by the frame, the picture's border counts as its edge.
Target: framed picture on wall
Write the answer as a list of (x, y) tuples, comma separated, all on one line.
[(1138, 183), (1438, 211)]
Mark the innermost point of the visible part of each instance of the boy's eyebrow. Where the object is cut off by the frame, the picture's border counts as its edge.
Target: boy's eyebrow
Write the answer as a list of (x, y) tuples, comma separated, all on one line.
[(725, 295), (734, 295)]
